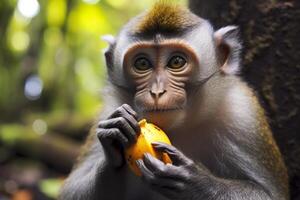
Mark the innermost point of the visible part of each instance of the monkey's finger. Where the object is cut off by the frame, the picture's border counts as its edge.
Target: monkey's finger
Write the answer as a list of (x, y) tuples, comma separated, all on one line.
[(130, 110), (133, 122), (177, 157), (150, 177), (108, 135), (122, 112), (122, 124), (160, 184), (147, 175), (155, 165), (161, 169), (113, 155)]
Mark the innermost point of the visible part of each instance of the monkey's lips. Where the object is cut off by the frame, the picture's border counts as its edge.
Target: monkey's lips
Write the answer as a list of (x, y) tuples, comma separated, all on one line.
[(160, 110), (164, 118)]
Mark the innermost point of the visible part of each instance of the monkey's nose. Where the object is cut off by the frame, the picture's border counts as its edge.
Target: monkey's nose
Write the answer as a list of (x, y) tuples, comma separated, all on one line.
[(157, 93)]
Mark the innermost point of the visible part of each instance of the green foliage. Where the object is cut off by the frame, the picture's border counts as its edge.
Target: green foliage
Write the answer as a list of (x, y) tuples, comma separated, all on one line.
[(52, 70), (51, 187), (10, 134), (60, 44)]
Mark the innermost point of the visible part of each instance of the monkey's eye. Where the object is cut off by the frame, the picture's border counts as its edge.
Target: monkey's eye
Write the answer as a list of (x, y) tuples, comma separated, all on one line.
[(142, 64), (176, 62)]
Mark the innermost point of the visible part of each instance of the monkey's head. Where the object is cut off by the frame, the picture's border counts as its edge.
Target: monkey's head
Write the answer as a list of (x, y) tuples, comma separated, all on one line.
[(162, 53)]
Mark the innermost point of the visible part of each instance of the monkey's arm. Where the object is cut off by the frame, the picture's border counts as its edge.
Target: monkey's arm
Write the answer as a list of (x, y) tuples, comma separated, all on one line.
[(246, 162), (185, 179), (99, 173), (250, 165), (87, 179)]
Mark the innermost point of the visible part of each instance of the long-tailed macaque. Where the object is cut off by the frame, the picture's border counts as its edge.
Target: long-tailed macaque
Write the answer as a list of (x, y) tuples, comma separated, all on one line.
[(170, 67)]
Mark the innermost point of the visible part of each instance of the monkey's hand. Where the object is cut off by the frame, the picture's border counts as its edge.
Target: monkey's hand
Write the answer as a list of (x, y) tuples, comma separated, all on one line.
[(118, 131), (182, 179)]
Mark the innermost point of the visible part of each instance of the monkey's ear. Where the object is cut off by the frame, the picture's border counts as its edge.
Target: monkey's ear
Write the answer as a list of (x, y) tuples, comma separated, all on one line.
[(228, 48), (108, 52), (109, 39)]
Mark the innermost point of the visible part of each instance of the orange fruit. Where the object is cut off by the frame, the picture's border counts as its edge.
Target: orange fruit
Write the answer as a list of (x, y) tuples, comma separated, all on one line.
[(149, 133)]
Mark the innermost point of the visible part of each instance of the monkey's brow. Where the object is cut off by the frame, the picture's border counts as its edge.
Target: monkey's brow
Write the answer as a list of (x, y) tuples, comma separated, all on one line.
[(175, 43)]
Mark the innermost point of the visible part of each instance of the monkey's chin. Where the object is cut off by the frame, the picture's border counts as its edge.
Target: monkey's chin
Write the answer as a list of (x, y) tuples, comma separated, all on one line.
[(166, 120)]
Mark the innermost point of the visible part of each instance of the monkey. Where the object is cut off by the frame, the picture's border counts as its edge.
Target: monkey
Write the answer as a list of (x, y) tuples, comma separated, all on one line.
[(172, 68)]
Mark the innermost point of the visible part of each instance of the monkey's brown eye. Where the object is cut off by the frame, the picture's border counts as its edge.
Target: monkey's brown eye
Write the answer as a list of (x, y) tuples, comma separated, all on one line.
[(176, 62), (142, 64)]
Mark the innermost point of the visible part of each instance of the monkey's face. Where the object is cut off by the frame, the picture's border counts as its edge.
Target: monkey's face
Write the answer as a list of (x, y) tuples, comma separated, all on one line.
[(159, 73), (161, 57)]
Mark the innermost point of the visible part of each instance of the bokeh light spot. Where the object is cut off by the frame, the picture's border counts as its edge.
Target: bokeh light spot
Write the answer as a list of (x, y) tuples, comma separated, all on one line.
[(28, 8), (10, 186), (53, 36), (20, 41), (39, 126), (33, 87), (117, 3), (91, 1)]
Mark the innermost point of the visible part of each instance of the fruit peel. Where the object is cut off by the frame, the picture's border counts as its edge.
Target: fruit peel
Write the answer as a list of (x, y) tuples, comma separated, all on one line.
[(149, 133)]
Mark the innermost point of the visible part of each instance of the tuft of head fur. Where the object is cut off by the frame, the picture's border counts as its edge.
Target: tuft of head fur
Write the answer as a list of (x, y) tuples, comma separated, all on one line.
[(166, 17)]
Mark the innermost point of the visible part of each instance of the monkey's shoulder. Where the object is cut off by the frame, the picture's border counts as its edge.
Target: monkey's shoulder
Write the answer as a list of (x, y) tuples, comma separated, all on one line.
[(236, 101)]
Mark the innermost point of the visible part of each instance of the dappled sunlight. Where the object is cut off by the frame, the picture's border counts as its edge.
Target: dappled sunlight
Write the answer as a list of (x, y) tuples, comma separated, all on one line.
[(33, 87), (28, 8), (52, 71)]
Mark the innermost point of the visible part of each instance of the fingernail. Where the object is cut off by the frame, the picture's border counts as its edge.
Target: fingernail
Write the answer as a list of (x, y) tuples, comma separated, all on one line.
[(147, 155), (138, 162)]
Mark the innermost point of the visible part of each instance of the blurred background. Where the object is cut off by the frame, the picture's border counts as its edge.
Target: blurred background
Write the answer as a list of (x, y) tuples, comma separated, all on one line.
[(51, 74)]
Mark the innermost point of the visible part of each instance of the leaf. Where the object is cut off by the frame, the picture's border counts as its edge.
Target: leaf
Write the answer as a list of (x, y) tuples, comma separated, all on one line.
[(51, 187)]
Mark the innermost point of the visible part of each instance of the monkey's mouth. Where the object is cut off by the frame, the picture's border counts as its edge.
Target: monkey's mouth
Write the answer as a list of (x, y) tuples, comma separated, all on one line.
[(161, 110)]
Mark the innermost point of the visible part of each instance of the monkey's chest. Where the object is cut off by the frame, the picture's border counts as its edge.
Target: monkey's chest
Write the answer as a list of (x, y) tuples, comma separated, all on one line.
[(136, 189)]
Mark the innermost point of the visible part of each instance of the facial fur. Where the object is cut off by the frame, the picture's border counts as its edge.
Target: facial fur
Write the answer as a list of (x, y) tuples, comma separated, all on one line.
[(161, 89), (159, 93)]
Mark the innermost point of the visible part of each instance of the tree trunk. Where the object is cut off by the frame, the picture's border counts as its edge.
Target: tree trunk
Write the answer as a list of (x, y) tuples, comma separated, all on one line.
[(271, 64)]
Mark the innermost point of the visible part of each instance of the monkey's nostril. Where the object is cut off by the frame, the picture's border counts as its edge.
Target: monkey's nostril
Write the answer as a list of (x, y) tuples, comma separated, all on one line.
[(157, 93), (161, 93)]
